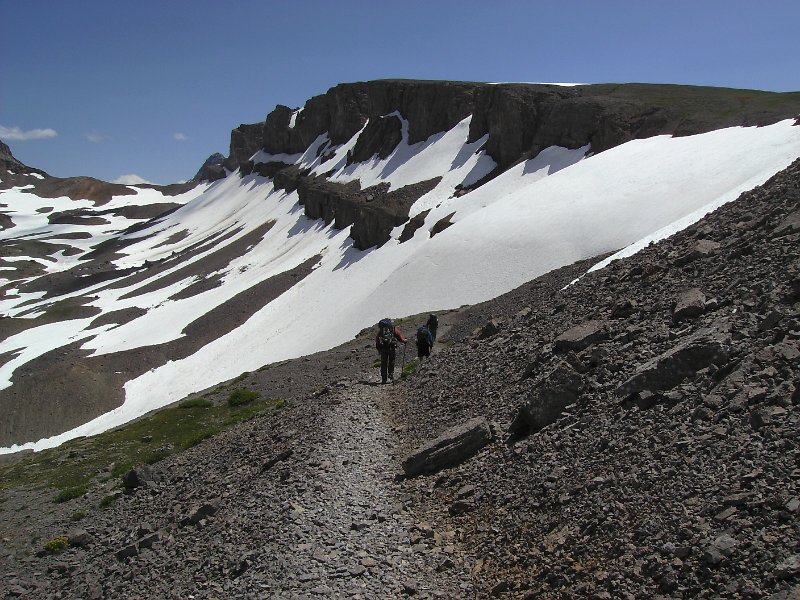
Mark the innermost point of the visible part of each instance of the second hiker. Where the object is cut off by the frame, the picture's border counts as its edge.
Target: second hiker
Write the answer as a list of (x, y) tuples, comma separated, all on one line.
[(432, 325), (424, 342), (386, 344)]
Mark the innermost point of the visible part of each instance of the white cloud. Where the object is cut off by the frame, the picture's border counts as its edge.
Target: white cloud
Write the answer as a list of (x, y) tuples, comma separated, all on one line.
[(181, 137), (95, 137), (15, 133), (131, 179)]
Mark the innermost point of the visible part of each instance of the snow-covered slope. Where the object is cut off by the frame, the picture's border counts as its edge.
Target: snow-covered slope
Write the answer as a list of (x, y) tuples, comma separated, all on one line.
[(562, 206)]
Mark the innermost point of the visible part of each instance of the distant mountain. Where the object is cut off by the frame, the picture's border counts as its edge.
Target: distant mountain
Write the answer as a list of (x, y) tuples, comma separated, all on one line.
[(374, 199)]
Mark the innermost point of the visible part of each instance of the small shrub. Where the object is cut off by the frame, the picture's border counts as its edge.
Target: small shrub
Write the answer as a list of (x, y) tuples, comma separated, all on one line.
[(196, 403), (242, 396), (376, 363), (70, 493), (280, 403), (242, 377), (56, 545), (107, 501), (77, 515)]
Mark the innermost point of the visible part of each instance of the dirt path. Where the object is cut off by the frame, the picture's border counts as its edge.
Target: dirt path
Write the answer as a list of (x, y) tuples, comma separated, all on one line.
[(355, 531)]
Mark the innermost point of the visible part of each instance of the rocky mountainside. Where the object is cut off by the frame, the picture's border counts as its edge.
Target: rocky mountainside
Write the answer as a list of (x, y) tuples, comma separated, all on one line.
[(629, 434), (380, 197)]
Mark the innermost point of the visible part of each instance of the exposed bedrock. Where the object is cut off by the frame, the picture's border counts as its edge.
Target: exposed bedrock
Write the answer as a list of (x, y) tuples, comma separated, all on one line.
[(373, 212)]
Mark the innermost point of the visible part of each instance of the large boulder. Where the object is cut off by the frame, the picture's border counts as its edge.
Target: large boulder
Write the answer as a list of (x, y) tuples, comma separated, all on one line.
[(454, 446), (582, 336), (138, 476), (690, 304), (667, 370), (701, 249)]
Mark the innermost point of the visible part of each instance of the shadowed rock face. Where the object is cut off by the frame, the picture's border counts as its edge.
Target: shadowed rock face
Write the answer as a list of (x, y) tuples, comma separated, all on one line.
[(245, 141), (373, 212)]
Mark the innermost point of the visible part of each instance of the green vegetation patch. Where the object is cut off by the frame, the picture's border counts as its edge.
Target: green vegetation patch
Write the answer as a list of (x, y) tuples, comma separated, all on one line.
[(70, 493), (107, 501), (78, 464), (409, 368), (242, 396), (196, 403)]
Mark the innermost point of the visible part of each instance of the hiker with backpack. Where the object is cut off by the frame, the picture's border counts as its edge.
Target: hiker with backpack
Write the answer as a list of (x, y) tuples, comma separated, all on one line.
[(424, 342), (386, 344), (432, 325)]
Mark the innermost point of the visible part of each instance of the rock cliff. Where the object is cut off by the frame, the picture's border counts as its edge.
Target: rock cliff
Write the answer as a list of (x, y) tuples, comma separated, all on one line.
[(520, 121)]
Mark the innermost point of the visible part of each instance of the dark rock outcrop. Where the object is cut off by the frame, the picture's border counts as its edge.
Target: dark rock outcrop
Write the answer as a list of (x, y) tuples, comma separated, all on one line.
[(246, 140), (9, 163), (518, 120), (373, 212), (212, 169)]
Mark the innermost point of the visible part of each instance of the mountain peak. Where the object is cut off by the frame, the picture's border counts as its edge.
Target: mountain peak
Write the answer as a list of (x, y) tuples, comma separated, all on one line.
[(10, 164), (212, 169)]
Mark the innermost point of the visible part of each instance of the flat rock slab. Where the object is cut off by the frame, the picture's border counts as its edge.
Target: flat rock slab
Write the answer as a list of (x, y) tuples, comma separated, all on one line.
[(670, 368), (452, 447), (582, 336)]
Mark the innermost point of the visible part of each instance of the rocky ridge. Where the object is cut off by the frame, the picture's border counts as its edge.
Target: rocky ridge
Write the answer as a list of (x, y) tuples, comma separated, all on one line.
[(518, 120), (644, 429)]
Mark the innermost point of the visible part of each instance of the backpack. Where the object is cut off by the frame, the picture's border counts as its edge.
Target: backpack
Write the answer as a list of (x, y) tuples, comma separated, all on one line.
[(423, 336), (385, 333)]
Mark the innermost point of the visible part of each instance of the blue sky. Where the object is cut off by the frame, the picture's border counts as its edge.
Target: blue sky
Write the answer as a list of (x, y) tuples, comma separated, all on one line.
[(112, 88)]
